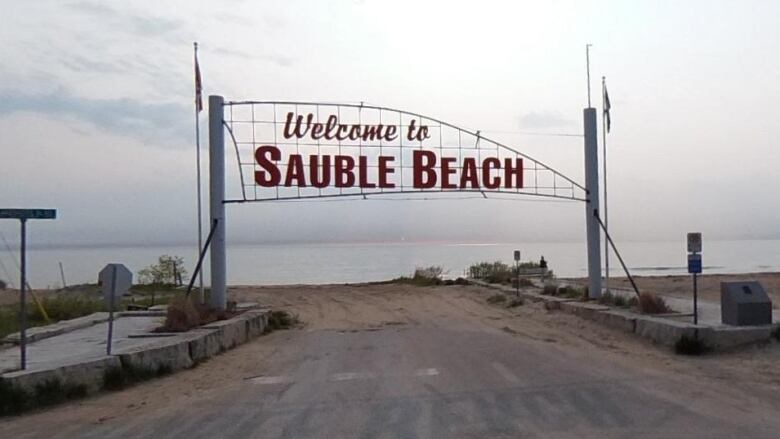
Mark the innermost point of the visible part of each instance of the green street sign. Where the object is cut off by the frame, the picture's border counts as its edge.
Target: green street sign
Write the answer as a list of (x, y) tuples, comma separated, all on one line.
[(28, 213)]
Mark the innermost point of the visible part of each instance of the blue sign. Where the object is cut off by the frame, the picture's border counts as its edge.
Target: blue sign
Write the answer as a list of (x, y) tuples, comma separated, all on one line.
[(28, 213), (694, 263)]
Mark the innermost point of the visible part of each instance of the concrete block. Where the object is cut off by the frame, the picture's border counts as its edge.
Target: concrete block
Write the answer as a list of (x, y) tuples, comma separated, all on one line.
[(618, 319), (233, 332), (585, 310), (667, 332), (726, 337), (88, 373), (206, 344), (258, 321), (173, 353)]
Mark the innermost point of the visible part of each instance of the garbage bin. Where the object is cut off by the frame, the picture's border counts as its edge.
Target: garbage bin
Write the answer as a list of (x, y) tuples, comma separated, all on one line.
[(744, 304)]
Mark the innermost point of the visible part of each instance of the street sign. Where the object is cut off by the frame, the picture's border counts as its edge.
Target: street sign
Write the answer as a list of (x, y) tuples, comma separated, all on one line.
[(28, 213), (694, 263), (694, 242), (115, 280), (517, 255)]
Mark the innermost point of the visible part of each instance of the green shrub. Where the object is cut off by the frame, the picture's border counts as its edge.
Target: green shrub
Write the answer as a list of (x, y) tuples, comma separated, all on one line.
[(613, 300), (550, 290), (493, 272)]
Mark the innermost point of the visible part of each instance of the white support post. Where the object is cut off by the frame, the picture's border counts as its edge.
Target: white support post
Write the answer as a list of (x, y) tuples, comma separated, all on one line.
[(217, 202), (592, 205)]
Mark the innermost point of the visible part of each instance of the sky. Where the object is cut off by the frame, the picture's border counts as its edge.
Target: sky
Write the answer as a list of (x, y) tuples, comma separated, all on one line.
[(97, 118)]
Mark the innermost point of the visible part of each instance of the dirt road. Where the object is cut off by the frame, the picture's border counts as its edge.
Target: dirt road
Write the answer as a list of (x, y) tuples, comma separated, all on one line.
[(430, 362)]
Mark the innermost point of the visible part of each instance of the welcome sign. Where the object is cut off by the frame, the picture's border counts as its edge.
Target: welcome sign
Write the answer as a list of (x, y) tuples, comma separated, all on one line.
[(299, 150)]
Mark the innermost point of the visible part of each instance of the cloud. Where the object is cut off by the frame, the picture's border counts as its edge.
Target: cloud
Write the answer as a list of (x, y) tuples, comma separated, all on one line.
[(544, 119), (149, 122), (140, 25), (279, 60)]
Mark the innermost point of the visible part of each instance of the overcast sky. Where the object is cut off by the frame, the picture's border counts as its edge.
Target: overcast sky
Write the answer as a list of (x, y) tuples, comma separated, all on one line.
[(96, 110)]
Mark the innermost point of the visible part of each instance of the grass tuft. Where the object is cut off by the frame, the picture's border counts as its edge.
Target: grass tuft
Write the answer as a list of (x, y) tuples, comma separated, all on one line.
[(281, 320), (649, 303)]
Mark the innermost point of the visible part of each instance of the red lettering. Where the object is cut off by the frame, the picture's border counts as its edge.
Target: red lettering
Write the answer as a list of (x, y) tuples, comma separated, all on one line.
[(317, 180), (424, 176), (515, 171), (469, 173), (384, 171), (446, 171), (363, 171), (487, 181), (268, 175), (295, 171), (343, 174)]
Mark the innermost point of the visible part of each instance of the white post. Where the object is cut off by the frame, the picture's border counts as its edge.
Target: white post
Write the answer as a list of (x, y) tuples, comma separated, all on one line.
[(217, 205), (592, 205)]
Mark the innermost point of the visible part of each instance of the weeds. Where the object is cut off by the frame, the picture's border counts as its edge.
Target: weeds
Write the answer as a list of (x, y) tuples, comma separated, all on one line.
[(14, 400), (649, 303), (281, 320), (616, 300)]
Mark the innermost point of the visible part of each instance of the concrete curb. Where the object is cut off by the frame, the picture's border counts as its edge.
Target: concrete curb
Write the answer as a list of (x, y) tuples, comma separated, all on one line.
[(664, 331), (169, 353), (59, 328)]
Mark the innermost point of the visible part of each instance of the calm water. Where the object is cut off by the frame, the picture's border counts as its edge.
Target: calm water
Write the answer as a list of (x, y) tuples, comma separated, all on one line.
[(338, 263)]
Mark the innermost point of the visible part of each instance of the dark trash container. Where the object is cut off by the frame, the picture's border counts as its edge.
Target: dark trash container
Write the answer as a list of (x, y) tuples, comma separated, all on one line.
[(744, 304)]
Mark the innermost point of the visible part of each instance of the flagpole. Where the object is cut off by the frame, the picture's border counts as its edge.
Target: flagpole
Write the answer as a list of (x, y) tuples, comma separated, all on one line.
[(604, 145), (197, 158), (587, 68)]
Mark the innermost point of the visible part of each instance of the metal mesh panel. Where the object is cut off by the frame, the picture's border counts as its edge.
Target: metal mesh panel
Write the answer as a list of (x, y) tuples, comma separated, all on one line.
[(251, 125)]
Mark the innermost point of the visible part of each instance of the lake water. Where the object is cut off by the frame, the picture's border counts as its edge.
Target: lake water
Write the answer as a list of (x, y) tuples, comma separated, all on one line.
[(339, 263)]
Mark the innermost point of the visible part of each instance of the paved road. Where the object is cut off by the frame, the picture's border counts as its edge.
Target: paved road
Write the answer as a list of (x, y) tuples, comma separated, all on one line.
[(451, 376)]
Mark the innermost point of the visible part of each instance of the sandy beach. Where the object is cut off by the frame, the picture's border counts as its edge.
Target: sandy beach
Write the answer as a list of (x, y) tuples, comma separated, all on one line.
[(708, 284)]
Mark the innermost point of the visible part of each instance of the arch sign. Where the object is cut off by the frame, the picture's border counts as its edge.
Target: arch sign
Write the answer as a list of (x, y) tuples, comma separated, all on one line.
[(306, 150)]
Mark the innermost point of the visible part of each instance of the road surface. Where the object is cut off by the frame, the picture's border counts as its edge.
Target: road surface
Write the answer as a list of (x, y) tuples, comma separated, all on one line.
[(388, 361)]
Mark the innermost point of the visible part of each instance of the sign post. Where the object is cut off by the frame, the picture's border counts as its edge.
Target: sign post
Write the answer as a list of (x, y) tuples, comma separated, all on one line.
[(23, 215), (517, 273), (115, 280), (694, 267)]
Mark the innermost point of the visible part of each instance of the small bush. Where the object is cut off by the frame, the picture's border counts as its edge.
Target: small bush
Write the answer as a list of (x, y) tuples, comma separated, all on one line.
[(514, 303), (496, 298), (181, 315), (690, 346), (281, 320), (550, 290), (649, 303), (613, 300), (461, 281), (493, 272)]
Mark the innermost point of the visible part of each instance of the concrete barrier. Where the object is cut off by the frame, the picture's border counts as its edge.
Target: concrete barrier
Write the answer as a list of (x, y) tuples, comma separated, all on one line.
[(618, 319), (88, 373), (206, 344), (668, 332), (173, 354), (585, 310), (727, 337)]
